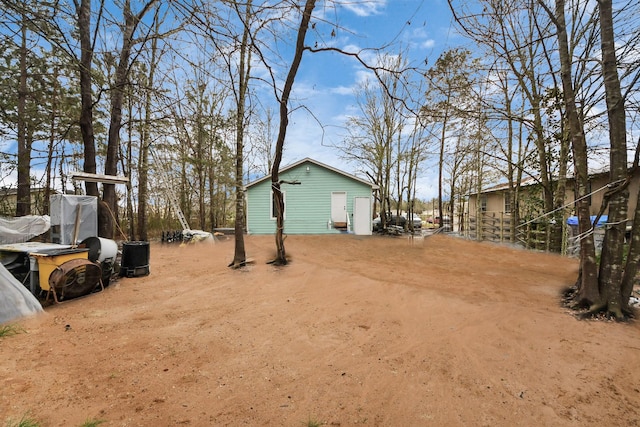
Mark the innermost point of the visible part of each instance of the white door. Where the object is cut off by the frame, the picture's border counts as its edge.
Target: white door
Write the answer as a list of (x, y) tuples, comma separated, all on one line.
[(339, 207), (362, 215)]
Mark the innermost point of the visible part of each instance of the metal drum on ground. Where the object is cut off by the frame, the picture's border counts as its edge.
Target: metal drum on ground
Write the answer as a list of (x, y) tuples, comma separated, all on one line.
[(135, 259)]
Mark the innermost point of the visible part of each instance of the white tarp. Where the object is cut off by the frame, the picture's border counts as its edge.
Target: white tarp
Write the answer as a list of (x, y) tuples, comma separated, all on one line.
[(21, 229), (69, 211), (197, 236), (15, 300)]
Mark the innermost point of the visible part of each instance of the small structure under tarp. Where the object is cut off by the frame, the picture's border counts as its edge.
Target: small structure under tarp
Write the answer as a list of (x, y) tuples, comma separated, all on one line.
[(15, 300), (21, 229)]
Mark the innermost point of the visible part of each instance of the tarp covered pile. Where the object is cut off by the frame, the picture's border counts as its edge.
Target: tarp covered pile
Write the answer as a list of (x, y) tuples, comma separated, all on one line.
[(21, 229), (15, 300)]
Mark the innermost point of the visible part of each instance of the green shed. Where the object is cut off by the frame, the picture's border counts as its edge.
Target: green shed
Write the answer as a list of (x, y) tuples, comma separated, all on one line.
[(325, 201)]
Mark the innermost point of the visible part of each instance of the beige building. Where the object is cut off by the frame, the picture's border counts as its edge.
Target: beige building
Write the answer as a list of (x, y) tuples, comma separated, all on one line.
[(8, 201), (489, 216)]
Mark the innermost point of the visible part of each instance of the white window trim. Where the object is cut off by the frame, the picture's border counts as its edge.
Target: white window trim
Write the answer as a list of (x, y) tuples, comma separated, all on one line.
[(507, 203)]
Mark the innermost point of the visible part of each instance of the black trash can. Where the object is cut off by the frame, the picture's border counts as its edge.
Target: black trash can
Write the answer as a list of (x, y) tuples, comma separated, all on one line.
[(135, 259)]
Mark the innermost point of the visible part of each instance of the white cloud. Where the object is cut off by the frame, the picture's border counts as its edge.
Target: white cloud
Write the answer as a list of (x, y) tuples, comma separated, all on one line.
[(419, 38), (352, 48), (342, 90), (365, 8), (364, 76), (428, 44)]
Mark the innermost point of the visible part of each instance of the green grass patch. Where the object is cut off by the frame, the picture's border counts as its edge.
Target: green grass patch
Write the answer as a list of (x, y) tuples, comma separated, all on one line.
[(11, 329), (92, 423), (25, 421), (313, 423)]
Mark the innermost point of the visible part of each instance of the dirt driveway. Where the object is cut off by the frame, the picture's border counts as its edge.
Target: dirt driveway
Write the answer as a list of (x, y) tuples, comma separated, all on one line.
[(373, 331)]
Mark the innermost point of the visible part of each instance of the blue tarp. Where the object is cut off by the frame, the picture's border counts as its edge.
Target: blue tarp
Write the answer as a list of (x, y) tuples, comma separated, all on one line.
[(573, 220)]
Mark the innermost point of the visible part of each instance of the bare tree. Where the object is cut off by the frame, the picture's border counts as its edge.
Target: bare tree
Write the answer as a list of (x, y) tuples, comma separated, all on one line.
[(23, 195), (283, 100), (108, 217), (513, 32), (85, 63), (378, 141), (51, 22), (369, 145), (611, 262), (235, 50), (240, 89), (146, 138), (449, 86), (28, 93), (262, 143), (600, 289)]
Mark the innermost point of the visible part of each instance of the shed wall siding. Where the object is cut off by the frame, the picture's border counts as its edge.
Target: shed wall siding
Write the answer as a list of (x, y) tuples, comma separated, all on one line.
[(308, 205)]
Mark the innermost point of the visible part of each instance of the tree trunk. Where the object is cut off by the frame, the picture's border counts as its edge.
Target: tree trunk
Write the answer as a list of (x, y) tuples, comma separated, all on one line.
[(587, 292), (561, 189), (511, 191), (211, 175), (629, 279), (611, 268), (441, 162), (540, 142), (202, 180), (106, 228), (281, 258), (143, 159), (145, 144), (23, 195), (479, 177), (86, 96), (126, 163), (239, 254), (55, 107)]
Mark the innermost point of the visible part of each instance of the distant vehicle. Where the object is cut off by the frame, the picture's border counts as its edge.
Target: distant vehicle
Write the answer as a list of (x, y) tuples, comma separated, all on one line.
[(377, 224), (397, 221), (417, 222), (392, 220)]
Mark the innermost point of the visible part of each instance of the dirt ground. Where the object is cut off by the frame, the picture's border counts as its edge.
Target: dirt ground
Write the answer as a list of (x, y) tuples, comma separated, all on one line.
[(356, 330)]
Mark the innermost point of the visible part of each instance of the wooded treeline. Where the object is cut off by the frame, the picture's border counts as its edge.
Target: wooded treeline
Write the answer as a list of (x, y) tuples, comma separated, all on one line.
[(572, 68), (134, 89), (536, 89)]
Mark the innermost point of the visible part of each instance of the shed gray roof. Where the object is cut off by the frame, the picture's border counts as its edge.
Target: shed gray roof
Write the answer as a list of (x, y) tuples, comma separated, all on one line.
[(307, 159)]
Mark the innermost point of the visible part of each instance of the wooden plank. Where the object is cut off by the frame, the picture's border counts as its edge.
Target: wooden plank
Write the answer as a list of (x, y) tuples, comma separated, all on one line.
[(94, 177)]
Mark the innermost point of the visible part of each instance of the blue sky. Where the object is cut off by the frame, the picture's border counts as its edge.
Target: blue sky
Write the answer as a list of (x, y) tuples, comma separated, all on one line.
[(326, 81)]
